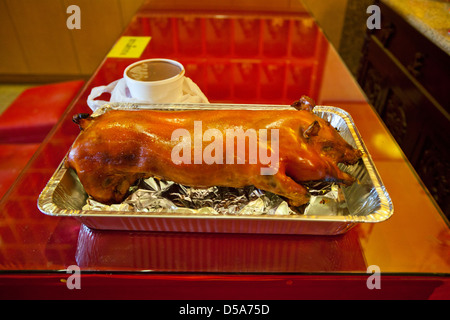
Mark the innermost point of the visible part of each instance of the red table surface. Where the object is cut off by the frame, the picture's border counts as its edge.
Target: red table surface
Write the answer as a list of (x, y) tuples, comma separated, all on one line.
[(235, 57)]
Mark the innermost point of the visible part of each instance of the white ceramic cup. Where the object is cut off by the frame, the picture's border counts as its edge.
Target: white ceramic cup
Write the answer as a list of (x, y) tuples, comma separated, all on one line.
[(165, 87)]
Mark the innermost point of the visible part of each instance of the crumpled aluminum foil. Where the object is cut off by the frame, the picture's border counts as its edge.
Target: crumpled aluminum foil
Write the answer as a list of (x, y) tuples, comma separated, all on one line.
[(155, 195)]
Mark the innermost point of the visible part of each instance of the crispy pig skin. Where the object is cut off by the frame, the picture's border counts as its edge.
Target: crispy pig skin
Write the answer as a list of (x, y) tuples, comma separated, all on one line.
[(116, 149)]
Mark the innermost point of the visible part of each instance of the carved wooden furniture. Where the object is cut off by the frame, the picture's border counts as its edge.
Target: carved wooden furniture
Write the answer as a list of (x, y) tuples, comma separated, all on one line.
[(405, 77)]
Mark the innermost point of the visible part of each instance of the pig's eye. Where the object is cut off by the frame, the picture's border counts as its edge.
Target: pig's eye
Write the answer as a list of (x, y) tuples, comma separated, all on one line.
[(312, 130)]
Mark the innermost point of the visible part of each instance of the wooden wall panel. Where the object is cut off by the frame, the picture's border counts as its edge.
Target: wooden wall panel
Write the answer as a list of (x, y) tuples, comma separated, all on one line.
[(35, 40), (12, 59), (42, 33), (128, 8), (101, 25), (330, 15)]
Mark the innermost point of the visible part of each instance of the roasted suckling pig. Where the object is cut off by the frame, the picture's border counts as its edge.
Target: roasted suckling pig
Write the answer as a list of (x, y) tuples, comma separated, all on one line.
[(273, 150)]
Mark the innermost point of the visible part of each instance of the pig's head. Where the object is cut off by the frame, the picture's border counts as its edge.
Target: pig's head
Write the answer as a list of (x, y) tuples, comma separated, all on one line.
[(324, 137), (327, 141)]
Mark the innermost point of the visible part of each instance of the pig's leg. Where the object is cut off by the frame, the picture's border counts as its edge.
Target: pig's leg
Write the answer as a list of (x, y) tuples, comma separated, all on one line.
[(283, 185), (316, 169)]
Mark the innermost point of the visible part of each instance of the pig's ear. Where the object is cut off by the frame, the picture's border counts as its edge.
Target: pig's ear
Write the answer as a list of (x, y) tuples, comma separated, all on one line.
[(81, 119), (304, 103)]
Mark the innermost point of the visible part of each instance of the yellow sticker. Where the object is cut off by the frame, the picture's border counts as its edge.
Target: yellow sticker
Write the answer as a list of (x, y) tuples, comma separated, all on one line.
[(129, 47)]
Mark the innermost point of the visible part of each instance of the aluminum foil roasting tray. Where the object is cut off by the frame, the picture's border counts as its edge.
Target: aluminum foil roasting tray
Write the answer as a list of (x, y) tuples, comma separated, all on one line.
[(165, 206)]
